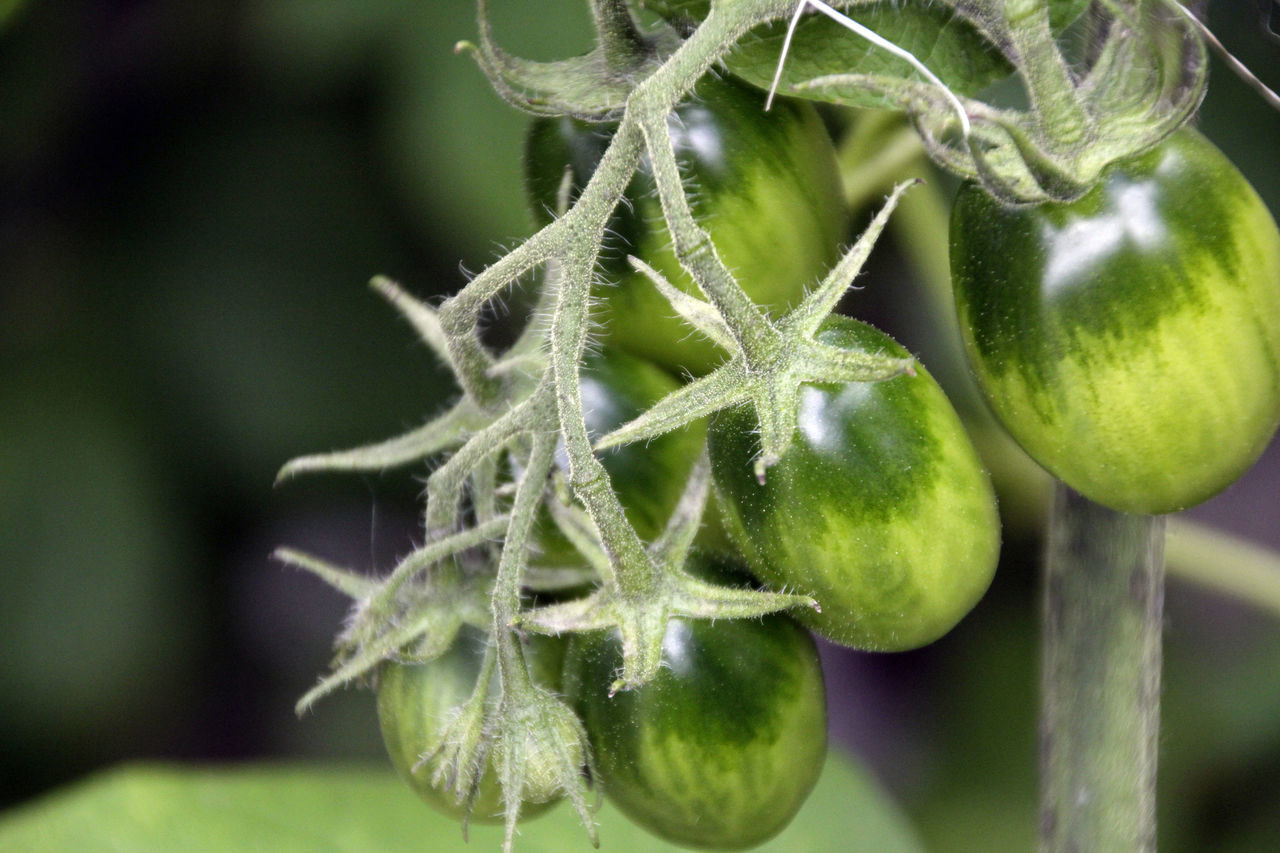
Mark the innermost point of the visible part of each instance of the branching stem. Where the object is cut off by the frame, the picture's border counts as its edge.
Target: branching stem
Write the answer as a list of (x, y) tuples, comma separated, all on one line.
[(648, 108)]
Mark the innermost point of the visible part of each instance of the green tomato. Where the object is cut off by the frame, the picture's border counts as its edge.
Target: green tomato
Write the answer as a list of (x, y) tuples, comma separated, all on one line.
[(880, 509), (1130, 340), (415, 701), (765, 186), (724, 745), (648, 477)]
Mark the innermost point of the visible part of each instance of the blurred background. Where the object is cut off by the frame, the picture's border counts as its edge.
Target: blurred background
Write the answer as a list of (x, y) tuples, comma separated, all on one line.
[(192, 196)]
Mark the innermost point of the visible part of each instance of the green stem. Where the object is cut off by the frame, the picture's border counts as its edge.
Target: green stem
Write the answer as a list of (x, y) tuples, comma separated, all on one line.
[(587, 475), (1226, 564), (506, 587), (459, 315), (1054, 99), (636, 575), (445, 485), (1104, 594), (654, 100), (697, 253)]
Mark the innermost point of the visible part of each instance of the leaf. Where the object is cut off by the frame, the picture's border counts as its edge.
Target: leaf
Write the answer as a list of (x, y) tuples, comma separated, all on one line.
[(959, 49), (313, 808), (949, 45)]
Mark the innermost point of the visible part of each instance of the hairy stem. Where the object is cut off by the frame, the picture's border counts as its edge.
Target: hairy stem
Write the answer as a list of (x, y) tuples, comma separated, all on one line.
[(1104, 594), (587, 475), (650, 104), (1054, 99), (506, 587), (459, 315), (697, 253)]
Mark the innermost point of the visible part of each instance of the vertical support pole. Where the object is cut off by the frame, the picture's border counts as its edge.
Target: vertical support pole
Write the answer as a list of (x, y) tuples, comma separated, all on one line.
[(1100, 712)]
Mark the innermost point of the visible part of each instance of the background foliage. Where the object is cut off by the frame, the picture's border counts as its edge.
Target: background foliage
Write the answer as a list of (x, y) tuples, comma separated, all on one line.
[(191, 197)]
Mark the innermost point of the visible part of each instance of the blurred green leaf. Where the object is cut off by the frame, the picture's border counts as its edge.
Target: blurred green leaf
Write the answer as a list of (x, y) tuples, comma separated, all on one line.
[(316, 808), (946, 43), (454, 148)]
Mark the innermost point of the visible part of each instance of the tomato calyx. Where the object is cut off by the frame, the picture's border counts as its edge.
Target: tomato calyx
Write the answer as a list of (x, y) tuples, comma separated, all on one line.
[(640, 604), (457, 758), (767, 369), (403, 616), (724, 745), (541, 752)]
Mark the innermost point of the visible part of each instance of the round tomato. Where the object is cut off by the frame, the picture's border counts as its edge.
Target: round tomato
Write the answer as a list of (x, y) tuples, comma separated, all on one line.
[(880, 509), (648, 477), (1130, 340), (724, 745), (415, 701), (765, 186)]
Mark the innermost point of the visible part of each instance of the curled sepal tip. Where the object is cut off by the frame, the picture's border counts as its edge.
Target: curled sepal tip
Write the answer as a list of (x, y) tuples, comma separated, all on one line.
[(585, 87)]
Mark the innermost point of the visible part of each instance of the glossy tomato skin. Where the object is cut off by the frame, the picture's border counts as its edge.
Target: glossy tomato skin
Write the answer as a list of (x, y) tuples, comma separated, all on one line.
[(415, 701), (766, 187), (1130, 341), (648, 477), (880, 509), (723, 746)]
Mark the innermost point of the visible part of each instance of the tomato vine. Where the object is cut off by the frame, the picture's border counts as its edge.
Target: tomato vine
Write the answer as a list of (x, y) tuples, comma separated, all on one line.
[(516, 448)]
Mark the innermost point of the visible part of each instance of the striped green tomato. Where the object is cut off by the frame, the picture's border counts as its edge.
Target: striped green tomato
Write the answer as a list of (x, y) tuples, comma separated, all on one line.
[(880, 509), (765, 186), (722, 747), (416, 701), (1130, 340)]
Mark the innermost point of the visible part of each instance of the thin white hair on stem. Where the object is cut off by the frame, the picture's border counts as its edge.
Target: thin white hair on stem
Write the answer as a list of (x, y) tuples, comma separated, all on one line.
[(1237, 67), (877, 40)]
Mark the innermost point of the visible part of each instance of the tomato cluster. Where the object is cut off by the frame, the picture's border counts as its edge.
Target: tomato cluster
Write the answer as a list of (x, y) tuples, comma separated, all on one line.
[(880, 510), (1129, 340)]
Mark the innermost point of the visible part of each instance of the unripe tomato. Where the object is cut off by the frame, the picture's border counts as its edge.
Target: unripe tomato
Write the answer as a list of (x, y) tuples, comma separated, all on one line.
[(1130, 340), (724, 745), (880, 509), (415, 701), (765, 186)]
